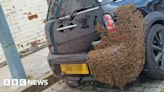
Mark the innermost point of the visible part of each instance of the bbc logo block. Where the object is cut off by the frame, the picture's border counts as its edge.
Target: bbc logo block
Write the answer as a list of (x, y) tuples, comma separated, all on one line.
[(7, 82)]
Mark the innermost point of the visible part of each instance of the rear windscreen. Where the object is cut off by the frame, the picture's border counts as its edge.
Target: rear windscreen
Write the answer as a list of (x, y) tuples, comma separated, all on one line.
[(59, 8)]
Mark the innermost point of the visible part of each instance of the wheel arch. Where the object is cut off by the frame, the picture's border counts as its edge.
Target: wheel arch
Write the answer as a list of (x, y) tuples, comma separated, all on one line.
[(153, 18)]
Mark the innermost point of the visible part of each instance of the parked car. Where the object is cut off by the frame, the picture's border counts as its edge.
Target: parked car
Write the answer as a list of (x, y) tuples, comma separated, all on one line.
[(70, 31)]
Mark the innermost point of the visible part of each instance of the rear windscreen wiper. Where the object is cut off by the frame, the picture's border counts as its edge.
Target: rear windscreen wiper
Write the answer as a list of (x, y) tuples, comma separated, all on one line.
[(79, 10)]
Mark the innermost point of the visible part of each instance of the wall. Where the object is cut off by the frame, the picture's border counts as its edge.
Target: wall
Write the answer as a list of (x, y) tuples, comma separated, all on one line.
[(26, 22)]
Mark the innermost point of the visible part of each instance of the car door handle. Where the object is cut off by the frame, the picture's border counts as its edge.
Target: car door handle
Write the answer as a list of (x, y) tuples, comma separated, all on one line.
[(66, 27)]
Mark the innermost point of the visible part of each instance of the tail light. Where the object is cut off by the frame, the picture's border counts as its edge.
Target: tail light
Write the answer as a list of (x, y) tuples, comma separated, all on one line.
[(109, 23)]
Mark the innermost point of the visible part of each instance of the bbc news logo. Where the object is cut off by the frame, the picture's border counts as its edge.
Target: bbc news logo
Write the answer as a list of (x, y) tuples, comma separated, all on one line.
[(24, 82)]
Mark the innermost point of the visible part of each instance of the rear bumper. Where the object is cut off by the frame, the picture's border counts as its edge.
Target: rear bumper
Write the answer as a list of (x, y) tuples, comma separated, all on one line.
[(80, 58), (68, 58)]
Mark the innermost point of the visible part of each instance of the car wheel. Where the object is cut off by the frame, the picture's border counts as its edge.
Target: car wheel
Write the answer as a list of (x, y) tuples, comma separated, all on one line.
[(155, 52)]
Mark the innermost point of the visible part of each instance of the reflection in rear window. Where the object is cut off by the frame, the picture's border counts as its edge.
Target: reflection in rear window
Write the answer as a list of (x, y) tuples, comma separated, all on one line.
[(60, 8)]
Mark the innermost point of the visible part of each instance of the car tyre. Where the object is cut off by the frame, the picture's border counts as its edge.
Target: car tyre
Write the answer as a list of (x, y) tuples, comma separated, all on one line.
[(154, 66)]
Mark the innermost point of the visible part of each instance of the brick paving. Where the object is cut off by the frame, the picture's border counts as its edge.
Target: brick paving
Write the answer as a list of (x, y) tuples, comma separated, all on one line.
[(141, 85)]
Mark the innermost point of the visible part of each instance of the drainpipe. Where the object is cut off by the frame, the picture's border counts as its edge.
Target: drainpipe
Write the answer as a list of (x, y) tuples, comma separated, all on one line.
[(9, 48)]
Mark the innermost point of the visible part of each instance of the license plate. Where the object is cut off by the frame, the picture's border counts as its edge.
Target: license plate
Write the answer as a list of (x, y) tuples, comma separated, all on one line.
[(74, 68)]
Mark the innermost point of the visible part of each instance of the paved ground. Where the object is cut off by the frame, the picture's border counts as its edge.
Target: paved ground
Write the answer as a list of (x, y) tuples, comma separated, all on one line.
[(35, 65), (141, 85)]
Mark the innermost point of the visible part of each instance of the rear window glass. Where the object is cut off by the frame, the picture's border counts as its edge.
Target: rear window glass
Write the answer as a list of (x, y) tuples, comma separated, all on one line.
[(59, 8)]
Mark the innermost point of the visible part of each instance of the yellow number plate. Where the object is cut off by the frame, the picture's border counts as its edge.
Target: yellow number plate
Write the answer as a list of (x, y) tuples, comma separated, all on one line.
[(74, 68)]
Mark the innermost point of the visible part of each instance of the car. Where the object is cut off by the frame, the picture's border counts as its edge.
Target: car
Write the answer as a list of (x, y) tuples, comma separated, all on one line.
[(70, 32)]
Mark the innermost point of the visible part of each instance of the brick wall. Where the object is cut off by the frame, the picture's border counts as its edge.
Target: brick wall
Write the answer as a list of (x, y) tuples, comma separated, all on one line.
[(26, 22)]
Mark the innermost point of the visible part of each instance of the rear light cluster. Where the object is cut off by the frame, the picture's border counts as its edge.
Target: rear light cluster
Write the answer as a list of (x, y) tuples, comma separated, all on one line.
[(109, 23)]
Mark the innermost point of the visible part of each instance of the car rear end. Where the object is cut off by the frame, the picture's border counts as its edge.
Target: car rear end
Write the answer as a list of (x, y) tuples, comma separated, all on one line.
[(70, 34)]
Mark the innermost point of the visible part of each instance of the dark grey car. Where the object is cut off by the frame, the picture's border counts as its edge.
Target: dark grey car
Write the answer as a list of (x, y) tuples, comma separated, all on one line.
[(70, 31)]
